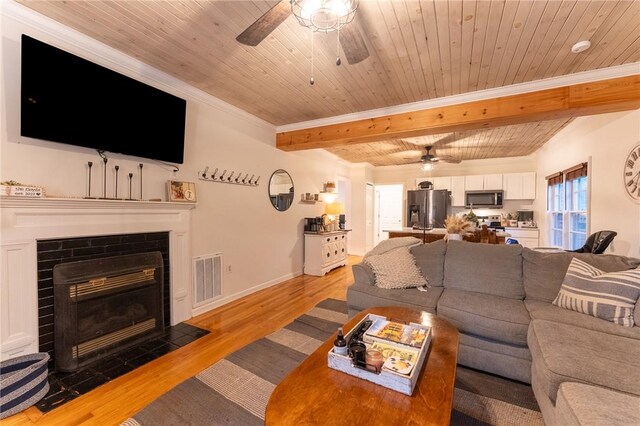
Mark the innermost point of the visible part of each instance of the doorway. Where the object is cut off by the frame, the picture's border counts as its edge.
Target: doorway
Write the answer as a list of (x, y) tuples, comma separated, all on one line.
[(388, 210)]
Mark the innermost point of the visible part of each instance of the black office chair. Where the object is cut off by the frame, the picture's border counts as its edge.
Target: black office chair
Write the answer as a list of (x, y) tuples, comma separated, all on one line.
[(597, 242)]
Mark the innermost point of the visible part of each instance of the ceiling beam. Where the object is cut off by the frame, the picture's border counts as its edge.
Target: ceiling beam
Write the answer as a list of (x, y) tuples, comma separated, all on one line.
[(598, 97)]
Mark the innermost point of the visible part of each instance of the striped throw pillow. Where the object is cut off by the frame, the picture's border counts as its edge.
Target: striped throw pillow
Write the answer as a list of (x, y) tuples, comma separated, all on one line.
[(611, 296)]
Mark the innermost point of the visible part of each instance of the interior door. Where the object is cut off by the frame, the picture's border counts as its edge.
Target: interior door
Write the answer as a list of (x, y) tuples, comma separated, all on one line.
[(388, 210)]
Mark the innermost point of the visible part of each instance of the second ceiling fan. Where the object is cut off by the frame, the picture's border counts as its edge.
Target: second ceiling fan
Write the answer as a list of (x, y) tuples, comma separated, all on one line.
[(319, 15), (429, 159)]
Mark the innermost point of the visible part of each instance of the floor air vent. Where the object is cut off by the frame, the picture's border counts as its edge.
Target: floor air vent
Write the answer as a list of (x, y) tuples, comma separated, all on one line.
[(207, 273)]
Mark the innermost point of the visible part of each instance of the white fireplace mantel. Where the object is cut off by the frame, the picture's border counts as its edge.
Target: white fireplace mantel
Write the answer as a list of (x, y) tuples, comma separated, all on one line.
[(24, 221)]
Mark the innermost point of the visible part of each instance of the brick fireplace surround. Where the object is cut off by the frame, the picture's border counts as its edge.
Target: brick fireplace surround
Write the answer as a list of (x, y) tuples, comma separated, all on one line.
[(26, 221)]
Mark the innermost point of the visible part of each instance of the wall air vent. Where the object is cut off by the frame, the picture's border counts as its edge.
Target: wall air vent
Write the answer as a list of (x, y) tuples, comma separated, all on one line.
[(207, 276)]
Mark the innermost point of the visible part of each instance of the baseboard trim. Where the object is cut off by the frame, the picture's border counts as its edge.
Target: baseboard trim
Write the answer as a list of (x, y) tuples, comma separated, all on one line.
[(227, 299)]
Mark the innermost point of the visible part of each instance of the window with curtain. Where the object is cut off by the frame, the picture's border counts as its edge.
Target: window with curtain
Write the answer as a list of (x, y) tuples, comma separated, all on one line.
[(555, 208), (567, 207)]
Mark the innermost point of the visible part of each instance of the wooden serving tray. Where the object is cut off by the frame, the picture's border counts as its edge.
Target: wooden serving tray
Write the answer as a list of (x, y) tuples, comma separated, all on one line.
[(389, 379)]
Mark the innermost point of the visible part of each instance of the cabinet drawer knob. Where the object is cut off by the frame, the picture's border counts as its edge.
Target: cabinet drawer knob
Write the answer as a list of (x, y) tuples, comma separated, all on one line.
[(328, 239), (343, 250), (328, 254), (336, 251)]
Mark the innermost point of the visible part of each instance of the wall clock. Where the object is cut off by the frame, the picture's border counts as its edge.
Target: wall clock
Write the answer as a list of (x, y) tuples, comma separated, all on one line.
[(632, 173)]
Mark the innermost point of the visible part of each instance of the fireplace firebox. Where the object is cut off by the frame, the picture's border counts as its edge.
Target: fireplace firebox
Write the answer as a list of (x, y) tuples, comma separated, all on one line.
[(106, 305)]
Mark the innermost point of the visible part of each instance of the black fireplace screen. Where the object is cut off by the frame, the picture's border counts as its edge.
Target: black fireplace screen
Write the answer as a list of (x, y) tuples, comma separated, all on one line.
[(105, 305)]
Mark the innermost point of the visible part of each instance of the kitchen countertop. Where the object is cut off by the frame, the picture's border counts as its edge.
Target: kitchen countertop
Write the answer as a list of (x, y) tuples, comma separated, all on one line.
[(440, 231), (338, 231)]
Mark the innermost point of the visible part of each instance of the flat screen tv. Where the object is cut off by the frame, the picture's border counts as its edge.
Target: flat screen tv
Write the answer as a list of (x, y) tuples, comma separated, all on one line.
[(70, 100)]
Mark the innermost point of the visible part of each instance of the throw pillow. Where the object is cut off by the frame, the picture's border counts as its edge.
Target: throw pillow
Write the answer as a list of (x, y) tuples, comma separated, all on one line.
[(396, 269), (610, 296), (392, 244)]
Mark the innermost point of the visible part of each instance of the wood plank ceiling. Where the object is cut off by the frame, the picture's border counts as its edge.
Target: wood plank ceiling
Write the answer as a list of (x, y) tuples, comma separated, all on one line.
[(498, 142), (419, 50)]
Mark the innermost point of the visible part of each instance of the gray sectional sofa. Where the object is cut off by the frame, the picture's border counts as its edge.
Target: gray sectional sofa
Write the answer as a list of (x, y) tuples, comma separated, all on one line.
[(500, 299)]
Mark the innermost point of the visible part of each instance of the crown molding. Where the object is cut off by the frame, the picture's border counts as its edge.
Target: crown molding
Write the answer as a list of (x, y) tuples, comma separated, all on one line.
[(119, 61), (515, 89)]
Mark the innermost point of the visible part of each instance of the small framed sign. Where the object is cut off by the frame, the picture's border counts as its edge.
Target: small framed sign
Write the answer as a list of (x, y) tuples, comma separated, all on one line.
[(181, 191)]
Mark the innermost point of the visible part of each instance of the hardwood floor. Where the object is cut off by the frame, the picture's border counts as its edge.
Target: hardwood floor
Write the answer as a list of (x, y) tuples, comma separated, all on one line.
[(232, 326)]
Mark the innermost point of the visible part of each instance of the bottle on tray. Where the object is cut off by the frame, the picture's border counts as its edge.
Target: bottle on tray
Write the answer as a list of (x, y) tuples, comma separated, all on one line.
[(340, 344)]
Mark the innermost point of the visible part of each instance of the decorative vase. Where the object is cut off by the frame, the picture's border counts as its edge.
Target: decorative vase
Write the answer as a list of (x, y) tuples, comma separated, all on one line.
[(456, 237)]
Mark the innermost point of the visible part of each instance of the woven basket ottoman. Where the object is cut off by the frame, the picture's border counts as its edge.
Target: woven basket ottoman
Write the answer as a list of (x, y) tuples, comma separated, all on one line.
[(23, 382)]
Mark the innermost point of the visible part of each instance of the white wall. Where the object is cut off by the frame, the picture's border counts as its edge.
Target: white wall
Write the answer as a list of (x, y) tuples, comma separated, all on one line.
[(262, 245), (361, 175), (606, 140)]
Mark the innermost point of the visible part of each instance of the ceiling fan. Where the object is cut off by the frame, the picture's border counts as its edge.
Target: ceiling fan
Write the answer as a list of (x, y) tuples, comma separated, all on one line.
[(315, 14), (431, 159)]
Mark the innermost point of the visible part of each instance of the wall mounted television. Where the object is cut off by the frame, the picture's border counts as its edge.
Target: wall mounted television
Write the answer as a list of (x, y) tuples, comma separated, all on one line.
[(73, 101)]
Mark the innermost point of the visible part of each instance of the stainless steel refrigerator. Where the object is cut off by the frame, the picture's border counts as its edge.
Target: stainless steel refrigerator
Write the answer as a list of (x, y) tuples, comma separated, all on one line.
[(428, 208)]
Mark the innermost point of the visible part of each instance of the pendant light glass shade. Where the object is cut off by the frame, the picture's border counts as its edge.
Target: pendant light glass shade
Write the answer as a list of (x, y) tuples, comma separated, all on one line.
[(324, 15)]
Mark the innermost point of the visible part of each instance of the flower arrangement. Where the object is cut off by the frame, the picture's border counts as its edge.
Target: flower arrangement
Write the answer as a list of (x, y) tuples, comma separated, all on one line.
[(457, 225), (471, 217)]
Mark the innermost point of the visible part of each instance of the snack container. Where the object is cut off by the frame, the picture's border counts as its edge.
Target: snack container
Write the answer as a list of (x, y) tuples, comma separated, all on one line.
[(389, 379)]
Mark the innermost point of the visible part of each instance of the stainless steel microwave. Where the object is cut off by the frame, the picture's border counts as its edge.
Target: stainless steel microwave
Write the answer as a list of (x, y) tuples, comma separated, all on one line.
[(483, 199)]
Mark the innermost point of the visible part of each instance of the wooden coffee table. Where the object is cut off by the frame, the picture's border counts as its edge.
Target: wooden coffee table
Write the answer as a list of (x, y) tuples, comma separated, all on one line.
[(313, 393)]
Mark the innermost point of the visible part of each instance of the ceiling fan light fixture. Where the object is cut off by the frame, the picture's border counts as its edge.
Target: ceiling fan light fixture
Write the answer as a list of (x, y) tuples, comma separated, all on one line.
[(324, 15), (427, 166)]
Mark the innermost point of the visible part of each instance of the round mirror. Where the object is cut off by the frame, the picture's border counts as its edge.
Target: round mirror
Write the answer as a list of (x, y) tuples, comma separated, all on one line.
[(281, 190)]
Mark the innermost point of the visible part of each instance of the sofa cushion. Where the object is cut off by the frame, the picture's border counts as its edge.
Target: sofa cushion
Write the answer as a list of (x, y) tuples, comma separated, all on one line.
[(494, 269), (566, 353), (493, 317), (362, 296), (610, 296), (544, 272), (395, 269), (495, 347), (575, 406), (430, 260), (492, 358), (546, 311)]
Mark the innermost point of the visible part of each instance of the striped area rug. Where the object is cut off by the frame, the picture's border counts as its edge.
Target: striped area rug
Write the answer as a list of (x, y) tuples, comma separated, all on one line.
[(235, 390)]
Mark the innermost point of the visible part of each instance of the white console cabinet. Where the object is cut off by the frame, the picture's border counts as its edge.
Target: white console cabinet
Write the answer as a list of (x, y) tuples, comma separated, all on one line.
[(323, 252)]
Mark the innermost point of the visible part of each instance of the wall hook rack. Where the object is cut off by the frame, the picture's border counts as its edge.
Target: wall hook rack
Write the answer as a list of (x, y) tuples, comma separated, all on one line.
[(232, 177)]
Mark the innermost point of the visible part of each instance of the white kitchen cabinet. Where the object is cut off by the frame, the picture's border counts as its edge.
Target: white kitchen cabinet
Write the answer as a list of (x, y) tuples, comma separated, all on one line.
[(529, 186), (457, 191), (323, 252), (442, 182), (483, 182), (474, 183), (527, 237), (492, 182), (519, 186)]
